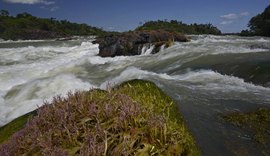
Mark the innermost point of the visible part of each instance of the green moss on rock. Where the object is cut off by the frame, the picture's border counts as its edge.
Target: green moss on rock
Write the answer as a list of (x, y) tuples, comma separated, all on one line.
[(135, 118), (15, 125), (258, 122)]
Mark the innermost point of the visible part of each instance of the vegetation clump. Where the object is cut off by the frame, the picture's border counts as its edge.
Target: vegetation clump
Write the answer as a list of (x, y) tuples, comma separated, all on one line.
[(135, 118), (258, 122), (178, 26)]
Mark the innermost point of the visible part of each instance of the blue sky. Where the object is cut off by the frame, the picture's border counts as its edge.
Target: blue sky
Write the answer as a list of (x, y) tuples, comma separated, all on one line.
[(122, 15)]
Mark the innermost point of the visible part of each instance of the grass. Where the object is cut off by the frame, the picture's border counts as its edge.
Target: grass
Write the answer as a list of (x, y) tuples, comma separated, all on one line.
[(135, 118), (14, 126), (258, 122)]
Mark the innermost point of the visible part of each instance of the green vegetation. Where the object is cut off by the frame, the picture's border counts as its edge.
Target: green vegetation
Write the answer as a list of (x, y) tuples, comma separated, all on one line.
[(258, 122), (135, 118), (176, 26), (26, 26), (259, 25), (14, 126)]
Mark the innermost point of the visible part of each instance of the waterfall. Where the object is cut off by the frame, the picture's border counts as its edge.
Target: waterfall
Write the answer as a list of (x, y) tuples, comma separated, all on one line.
[(147, 49)]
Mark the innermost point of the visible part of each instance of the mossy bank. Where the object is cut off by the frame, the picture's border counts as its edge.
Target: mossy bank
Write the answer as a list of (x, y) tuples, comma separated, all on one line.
[(134, 118), (256, 122)]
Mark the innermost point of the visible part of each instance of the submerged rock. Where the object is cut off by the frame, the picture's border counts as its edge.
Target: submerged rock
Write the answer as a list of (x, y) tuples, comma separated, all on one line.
[(136, 43), (257, 123)]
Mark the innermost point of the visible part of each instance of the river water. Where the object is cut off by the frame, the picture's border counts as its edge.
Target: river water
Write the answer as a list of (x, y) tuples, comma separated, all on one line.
[(207, 77)]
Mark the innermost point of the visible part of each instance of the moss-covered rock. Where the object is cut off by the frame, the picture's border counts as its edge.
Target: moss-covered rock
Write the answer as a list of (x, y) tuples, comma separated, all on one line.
[(258, 122), (15, 125), (135, 118)]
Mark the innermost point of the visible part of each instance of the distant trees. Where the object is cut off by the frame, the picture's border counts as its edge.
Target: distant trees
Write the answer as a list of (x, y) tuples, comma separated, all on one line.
[(24, 24), (24, 15), (259, 24), (178, 26), (4, 13)]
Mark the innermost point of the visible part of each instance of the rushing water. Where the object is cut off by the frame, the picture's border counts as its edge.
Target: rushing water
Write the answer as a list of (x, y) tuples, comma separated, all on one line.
[(208, 77)]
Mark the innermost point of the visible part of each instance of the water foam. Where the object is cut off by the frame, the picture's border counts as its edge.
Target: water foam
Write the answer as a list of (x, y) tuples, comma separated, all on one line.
[(147, 49), (21, 41), (206, 81), (26, 84), (27, 97), (134, 73), (227, 44)]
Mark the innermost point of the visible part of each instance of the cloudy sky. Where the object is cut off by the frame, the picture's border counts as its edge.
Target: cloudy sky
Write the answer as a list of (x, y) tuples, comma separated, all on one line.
[(122, 15)]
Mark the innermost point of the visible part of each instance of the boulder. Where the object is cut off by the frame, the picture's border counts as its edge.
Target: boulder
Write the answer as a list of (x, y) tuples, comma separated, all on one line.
[(133, 43)]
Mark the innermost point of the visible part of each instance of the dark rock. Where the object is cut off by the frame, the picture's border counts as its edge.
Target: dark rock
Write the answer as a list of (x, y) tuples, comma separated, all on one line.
[(132, 43), (36, 35)]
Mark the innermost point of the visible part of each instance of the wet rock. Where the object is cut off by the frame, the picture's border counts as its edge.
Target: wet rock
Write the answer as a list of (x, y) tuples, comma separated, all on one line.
[(132, 43)]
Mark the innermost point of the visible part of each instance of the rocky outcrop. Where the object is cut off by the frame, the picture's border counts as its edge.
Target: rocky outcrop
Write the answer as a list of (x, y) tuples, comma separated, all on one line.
[(134, 43)]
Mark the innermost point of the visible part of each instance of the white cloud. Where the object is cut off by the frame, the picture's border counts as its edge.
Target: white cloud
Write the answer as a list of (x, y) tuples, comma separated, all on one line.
[(232, 17), (31, 1), (244, 14), (54, 8), (229, 16), (111, 28), (50, 8), (226, 22)]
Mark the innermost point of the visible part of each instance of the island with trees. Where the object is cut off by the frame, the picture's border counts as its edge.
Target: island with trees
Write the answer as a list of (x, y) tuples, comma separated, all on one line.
[(178, 26)]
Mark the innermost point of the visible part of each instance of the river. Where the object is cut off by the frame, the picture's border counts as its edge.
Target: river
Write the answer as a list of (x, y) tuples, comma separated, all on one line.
[(208, 77)]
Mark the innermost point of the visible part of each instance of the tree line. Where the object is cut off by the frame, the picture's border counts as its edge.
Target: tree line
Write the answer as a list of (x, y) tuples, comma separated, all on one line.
[(27, 26), (24, 25), (178, 26), (259, 25)]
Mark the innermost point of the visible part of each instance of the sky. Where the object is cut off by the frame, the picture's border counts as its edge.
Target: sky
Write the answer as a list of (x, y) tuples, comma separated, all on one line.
[(122, 15)]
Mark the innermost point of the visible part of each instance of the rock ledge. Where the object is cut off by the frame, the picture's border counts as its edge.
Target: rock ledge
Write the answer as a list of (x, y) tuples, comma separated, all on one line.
[(136, 43)]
